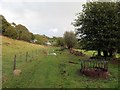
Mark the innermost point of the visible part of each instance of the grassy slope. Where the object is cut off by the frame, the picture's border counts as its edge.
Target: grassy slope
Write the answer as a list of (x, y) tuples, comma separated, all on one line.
[(46, 70), (11, 47)]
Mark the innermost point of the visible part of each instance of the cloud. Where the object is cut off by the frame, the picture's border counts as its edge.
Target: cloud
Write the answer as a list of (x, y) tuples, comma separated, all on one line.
[(50, 18), (44, 0), (54, 30)]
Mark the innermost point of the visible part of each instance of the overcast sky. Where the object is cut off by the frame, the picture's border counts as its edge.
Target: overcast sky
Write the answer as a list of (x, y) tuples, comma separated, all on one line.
[(49, 18)]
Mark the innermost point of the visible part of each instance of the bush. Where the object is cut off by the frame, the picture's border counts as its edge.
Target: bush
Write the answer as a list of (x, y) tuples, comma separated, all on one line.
[(10, 32)]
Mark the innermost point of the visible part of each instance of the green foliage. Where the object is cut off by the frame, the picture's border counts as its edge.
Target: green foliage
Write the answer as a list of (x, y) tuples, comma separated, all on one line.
[(6, 28), (97, 25), (10, 32), (41, 39), (60, 41), (70, 39), (24, 33), (4, 24), (32, 36), (54, 41), (15, 31)]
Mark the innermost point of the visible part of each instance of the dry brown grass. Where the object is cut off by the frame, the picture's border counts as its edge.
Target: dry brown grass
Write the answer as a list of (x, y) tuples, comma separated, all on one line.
[(17, 72)]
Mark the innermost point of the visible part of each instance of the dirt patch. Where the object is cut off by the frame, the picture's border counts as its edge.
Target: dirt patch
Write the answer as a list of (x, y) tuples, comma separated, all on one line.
[(17, 72), (77, 53), (97, 73)]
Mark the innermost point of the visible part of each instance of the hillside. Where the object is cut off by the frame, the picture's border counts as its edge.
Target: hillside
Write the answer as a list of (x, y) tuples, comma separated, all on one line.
[(20, 32), (11, 45)]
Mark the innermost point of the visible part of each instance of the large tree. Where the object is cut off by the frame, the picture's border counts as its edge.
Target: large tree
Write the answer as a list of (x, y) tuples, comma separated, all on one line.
[(70, 39), (97, 26)]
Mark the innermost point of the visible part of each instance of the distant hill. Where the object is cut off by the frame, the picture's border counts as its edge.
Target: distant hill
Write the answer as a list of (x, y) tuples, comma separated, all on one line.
[(20, 32), (14, 31)]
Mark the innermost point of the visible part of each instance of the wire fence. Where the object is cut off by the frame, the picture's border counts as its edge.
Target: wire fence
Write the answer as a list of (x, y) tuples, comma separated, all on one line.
[(25, 57)]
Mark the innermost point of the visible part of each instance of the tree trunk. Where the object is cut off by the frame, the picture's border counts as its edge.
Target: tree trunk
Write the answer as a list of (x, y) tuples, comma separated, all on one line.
[(105, 53), (110, 53), (99, 53), (69, 47)]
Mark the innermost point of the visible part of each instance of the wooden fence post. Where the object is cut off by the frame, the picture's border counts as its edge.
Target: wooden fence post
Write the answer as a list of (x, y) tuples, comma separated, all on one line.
[(14, 63), (26, 56)]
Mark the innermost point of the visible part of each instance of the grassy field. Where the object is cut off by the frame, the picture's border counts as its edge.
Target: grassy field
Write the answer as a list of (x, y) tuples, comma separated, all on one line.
[(48, 71)]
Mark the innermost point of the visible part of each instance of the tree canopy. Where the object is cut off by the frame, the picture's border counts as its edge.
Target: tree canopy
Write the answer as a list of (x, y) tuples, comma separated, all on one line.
[(98, 26), (15, 31), (4, 24), (70, 39)]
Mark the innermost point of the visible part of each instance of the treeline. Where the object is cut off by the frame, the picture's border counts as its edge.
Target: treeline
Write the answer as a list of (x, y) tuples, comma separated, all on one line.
[(20, 32), (68, 40)]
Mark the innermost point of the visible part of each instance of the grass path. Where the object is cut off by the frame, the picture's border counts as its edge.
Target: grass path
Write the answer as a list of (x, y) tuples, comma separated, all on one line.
[(56, 72)]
